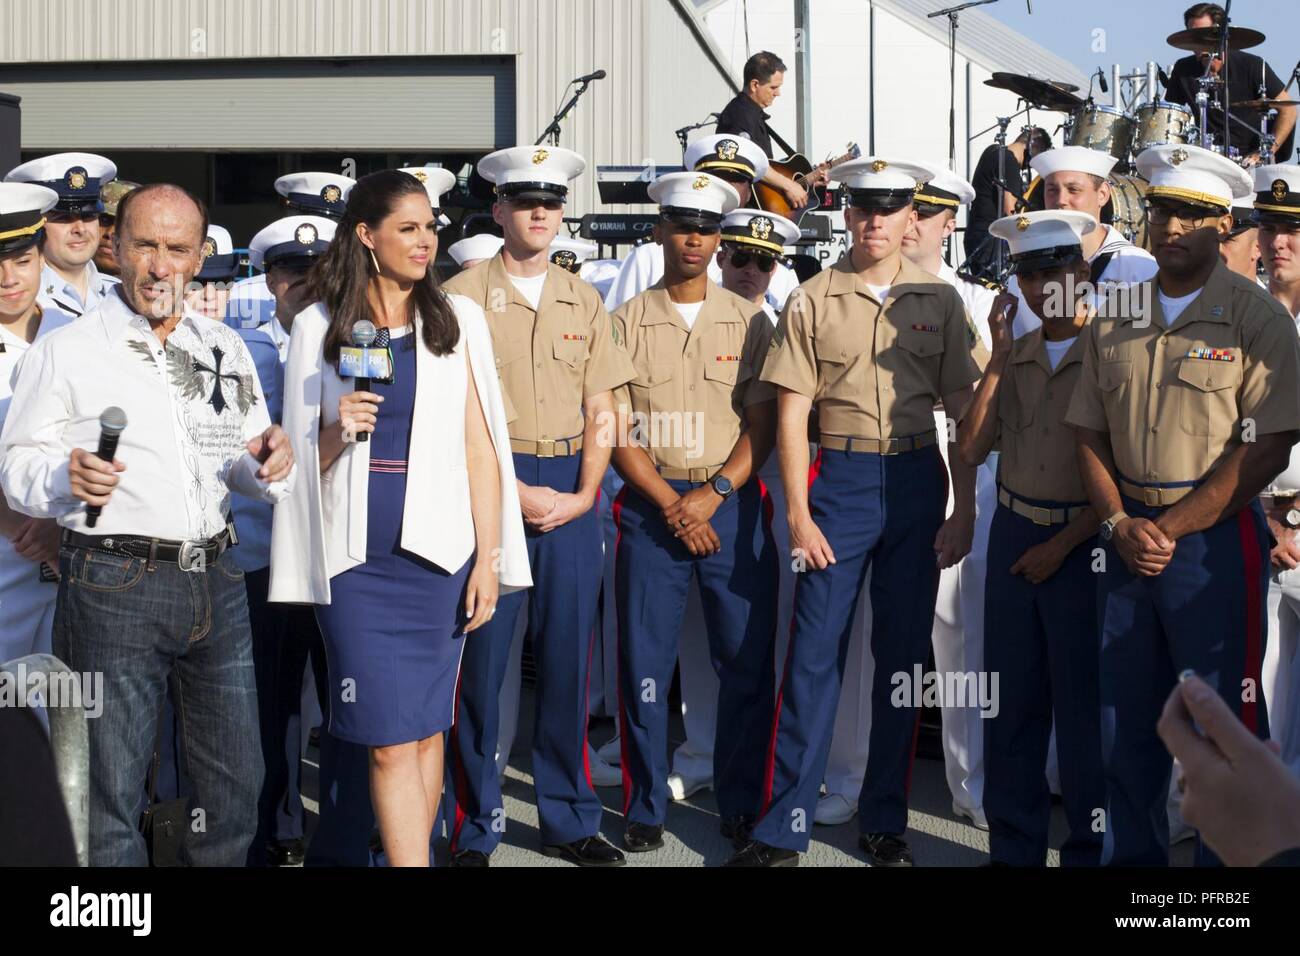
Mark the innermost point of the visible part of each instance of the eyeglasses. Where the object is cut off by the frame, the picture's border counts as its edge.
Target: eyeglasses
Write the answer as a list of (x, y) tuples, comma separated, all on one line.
[(762, 262), (1188, 216)]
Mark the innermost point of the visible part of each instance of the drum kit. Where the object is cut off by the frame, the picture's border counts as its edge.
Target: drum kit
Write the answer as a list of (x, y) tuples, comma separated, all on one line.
[(1126, 133)]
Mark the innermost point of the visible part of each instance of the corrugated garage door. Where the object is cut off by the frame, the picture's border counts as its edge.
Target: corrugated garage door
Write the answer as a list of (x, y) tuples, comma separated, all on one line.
[(391, 103)]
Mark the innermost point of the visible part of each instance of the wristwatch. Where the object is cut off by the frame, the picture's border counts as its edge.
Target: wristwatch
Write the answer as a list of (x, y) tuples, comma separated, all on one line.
[(1292, 519), (1108, 526), (722, 485)]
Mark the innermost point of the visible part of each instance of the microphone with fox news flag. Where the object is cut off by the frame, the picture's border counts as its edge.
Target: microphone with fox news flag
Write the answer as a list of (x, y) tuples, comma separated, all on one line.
[(355, 362), (111, 423)]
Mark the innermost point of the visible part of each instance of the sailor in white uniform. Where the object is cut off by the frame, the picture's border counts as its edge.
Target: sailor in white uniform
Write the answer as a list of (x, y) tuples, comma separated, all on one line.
[(470, 251), (732, 158), (27, 585), (1074, 177), (70, 281), (251, 304)]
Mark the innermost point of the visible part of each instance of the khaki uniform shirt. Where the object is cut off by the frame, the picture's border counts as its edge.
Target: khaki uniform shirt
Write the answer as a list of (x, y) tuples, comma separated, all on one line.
[(873, 371), (1174, 400), (1038, 459), (550, 359), (692, 385)]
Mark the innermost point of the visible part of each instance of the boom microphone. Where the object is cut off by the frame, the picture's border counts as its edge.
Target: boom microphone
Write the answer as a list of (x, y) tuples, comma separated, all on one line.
[(598, 75)]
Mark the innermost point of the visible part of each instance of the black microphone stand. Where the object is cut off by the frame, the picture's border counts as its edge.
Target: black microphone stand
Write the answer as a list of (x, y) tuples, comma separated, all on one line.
[(553, 131), (951, 14)]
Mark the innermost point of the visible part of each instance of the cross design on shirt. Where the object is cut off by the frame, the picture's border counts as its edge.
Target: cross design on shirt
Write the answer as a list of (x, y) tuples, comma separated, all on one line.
[(186, 372), (218, 399)]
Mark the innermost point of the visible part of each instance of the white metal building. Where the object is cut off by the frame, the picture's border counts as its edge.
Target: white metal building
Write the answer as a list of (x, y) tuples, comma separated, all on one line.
[(225, 95)]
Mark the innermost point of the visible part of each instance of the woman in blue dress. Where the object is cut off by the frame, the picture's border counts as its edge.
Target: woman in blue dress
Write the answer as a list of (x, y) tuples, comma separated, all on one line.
[(412, 525)]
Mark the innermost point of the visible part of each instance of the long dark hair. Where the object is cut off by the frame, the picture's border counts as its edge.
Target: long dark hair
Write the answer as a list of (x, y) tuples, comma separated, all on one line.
[(340, 279)]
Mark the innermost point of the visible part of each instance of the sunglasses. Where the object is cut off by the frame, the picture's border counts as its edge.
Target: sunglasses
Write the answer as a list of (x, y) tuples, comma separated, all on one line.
[(762, 262)]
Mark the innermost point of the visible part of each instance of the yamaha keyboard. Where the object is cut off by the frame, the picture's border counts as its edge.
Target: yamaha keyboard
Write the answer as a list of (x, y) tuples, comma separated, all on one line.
[(629, 184)]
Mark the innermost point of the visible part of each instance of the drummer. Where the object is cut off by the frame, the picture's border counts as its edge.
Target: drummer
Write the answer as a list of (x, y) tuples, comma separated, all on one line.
[(1249, 78), (1074, 177)]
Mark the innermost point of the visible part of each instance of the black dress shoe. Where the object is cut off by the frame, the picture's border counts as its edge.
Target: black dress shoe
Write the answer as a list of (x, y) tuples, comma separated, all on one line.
[(285, 853), (885, 849), (643, 837), (757, 853), (589, 851), (739, 830), (468, 858)]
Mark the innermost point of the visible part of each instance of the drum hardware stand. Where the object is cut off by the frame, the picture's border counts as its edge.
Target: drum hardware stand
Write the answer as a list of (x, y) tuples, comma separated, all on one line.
[(951, 13)]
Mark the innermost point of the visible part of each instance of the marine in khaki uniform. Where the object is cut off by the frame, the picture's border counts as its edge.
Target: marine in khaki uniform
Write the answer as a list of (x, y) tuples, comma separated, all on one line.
[(695, 425), (1040, 593), (559, 363), (1187, 406), (874, 343)]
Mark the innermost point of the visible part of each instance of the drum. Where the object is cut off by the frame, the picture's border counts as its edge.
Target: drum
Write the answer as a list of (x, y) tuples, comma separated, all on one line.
[(1126, 212), (1102, 127), (1159, 123)]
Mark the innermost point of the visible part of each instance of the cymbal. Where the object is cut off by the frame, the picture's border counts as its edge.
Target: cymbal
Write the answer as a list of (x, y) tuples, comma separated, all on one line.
[(1043, 94), (1209, 39), (1262, 105)]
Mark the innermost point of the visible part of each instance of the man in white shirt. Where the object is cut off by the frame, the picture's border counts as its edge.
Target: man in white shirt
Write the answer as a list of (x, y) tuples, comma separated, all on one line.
[(147, 586), (1277, 207), (1074, 177), (70, 281)]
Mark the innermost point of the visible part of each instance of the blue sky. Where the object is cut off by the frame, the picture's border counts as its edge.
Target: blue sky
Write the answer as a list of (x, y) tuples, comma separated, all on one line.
[(1136, 29)]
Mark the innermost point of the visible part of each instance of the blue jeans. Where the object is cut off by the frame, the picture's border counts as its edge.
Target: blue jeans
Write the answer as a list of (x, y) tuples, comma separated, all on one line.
[(134, 624)]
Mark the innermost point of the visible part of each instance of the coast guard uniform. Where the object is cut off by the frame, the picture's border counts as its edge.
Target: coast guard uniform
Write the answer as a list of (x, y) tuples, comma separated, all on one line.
[(1043, 644), (285, 636), (26, 595), (1171, 392), (76, 178), (251, 304), (553, 352)]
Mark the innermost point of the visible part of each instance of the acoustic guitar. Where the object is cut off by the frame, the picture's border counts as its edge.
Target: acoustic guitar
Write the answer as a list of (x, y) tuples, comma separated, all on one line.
[(810, 177)]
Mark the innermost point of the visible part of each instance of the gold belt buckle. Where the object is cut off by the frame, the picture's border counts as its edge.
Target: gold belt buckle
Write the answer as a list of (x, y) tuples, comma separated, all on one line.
[(546, 448), (1042, 516), (1151, 497)]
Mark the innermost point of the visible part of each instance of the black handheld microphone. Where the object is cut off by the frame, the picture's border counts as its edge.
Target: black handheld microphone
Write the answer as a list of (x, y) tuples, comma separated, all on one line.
[(598, 75), (363, 335), (111, 424)]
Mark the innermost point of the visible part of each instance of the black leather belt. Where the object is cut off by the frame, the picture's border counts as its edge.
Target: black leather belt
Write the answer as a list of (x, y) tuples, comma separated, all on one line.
[(187, 555)]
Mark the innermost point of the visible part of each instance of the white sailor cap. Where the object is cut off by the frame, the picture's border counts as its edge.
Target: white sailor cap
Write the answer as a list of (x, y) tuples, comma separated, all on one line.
[(1191, 174), (436, 182), (320, 194), (75, 177), (760, 231), (293, 240), (219, 260), (532, 172), (698, 199), (1074, 159), (881, 182), (728, 156), (482, 246), (945, 190), (1040, 240), (571, 253), (22, 214), (1277, 193)]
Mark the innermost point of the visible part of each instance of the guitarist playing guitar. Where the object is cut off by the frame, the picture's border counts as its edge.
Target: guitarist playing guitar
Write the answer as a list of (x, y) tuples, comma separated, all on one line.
[(784, 190)]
